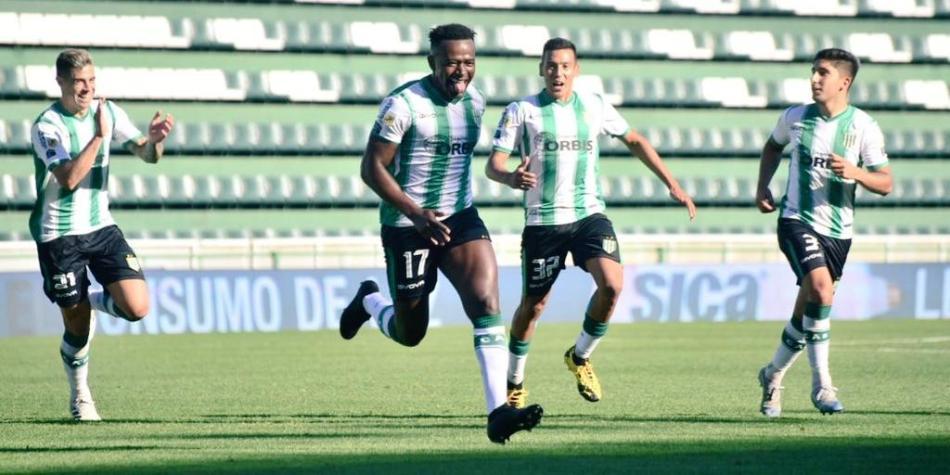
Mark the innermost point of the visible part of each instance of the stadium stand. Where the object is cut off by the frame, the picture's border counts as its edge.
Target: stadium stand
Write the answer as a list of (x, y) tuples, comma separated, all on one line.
[(274, 101)]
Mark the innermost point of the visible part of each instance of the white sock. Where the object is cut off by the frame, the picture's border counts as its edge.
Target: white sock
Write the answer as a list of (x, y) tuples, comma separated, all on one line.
[(76, 364), (380, 309), (585, 344), (818, 349), (516, 368), (789, 349), (492, 356)]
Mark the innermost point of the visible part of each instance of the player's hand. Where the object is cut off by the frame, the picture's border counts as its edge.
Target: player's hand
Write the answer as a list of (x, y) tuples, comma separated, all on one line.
[(682, 197), (158, 128), (427, 223), (764, 200), (521, 178), (843, 168), (102, 120)]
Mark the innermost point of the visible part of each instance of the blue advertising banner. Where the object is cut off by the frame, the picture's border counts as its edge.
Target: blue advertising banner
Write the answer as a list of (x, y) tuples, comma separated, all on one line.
[(293, 300)]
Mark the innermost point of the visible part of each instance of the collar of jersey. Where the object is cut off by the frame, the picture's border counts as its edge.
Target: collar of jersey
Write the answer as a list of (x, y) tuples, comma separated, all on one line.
[(58, 105), (829, 119), (547, 98)]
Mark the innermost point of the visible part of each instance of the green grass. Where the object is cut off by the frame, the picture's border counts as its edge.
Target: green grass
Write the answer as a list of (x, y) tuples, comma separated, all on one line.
[(678, 398)]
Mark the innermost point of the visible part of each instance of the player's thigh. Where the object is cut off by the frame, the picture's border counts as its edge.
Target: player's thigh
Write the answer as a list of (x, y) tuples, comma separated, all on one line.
[(473, 271), (131, 295), (63, 267), (543, 251), (607, 273), (594, 240), (411, 265), (802, 248)]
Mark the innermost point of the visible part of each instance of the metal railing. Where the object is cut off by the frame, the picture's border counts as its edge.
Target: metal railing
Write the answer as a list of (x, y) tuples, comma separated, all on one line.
[(366, 251)]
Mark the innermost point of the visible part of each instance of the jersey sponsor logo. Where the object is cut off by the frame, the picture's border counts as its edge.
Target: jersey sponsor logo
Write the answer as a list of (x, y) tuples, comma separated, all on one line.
[(443, 147), (820, 160), (552, 143)]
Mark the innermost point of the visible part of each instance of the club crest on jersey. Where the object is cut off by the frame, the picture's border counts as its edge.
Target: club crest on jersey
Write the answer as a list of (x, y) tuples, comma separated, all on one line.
[(610, 245), (133, 262), (389, 119), (850, 139)]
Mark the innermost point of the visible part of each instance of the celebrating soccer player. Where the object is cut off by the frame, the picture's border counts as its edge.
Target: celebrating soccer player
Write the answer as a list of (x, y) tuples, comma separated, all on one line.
[(556, 131), (418, 161), (71, 223), (830, 141)]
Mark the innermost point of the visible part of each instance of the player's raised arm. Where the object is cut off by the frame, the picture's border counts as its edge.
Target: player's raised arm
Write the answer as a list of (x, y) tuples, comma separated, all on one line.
[(641, 148), (151, 149), (771, 156), (379, 154), (72, 172)]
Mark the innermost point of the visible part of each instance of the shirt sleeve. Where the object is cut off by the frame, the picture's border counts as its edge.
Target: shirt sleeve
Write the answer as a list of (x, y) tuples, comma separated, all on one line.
[(780, 134), (614, 124), (872, 148), (393, 120), (508, 133), (123, 130), (48, 144)]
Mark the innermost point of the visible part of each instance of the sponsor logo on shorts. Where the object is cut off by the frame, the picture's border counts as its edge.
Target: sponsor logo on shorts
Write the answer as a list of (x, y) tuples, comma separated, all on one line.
[(811, 256), (71, 293), (412, 286)]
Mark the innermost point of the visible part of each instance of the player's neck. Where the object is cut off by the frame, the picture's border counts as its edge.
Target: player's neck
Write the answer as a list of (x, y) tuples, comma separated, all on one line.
[(833, 107), (563, 97)]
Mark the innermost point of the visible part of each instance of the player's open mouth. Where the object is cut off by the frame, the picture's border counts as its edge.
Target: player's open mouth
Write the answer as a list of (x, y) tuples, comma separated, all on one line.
[(457, 86)]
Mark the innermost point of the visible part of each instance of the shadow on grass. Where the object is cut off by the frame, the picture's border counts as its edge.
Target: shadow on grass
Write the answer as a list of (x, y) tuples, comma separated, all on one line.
[(114, 448), (776, 455)]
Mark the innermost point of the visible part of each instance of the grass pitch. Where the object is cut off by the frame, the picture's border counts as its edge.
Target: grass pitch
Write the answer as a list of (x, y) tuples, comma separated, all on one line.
[(677, 398)]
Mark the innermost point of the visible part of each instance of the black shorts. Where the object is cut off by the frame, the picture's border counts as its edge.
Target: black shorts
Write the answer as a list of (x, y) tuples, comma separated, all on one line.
[(412, 261), (544, 248), (63, 263), (808, 250)]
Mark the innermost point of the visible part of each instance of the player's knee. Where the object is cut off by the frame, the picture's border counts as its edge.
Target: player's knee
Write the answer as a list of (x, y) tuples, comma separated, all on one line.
[(822, 291), (414, 337), (610, 291), (136, 311)]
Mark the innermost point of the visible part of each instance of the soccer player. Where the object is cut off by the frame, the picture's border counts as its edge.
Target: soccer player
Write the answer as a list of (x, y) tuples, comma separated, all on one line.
[(556, 131), (830, 142), (418, 160), (71, 223)]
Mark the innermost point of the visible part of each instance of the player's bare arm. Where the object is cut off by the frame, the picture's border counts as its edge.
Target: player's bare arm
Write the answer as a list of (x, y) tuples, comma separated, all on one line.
[(373, 170), (880, 181), (771, 156), (641, 148), (519, 179), (151, 149), (72, 172)]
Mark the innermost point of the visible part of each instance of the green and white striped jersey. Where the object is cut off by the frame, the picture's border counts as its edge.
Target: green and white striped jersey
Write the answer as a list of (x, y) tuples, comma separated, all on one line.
[(814, 194), (57, 137), (436, 139), (561, 140)]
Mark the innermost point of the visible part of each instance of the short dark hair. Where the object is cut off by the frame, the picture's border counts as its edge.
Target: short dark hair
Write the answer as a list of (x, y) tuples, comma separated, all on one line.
[(839, 57), (556, 44), (449, 32), (70, 59)]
